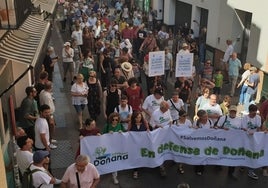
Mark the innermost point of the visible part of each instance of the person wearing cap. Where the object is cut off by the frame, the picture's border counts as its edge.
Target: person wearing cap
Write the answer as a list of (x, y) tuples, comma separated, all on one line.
[(67, 60), (252, 82), (152, 102), (230, 120), (42, 177), (24, 153), (127, 71)]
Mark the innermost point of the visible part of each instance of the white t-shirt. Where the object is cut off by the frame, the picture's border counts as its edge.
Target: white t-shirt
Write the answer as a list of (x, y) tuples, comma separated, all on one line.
[(228, 53), (77, 100), (41, 177), (160, 119), (211, 110), (45, 97), (174, 113), (24, 159), (41, 127), (187, 124), (251, 124), (78, 36), (230, 123), (201, 101), (124, 113), (207, 125), (151, 103)]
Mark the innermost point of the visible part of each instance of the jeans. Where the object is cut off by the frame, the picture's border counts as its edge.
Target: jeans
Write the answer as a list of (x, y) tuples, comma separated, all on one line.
[(242, 94), (247, 101)]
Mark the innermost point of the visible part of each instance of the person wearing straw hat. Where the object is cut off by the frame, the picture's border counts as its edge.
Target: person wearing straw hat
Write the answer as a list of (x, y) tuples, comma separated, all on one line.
[(127, 71), (67, 60), (185, 49)]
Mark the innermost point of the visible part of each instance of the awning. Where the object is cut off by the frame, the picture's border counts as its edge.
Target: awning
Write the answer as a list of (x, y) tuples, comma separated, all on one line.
[(25, 44), (46, 5)]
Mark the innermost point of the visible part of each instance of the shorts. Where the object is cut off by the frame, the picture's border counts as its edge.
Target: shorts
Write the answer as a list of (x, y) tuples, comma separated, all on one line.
[(79, 108)]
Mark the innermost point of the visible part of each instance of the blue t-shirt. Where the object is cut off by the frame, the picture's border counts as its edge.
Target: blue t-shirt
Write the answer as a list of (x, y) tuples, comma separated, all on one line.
[(255, 79)]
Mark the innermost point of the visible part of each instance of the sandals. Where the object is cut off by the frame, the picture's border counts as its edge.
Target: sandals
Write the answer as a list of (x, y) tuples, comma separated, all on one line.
[(135, 175)]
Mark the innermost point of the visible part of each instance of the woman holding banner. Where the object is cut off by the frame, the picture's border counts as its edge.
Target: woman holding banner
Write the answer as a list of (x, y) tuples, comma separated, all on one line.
[(112, 126), (137, 124), (203, 122)]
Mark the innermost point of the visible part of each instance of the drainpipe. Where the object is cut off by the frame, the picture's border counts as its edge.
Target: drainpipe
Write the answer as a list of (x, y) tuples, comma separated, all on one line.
[(8, 21)]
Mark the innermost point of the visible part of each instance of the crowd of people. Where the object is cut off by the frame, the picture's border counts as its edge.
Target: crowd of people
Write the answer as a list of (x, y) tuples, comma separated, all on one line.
[(106, 56)]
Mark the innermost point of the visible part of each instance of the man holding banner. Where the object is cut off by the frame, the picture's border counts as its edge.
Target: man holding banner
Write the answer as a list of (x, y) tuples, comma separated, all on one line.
[(252, 123), (161, 118)]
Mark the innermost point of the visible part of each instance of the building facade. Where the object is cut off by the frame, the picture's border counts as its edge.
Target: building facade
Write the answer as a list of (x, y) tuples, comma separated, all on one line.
[(237, 20), (24, 36)]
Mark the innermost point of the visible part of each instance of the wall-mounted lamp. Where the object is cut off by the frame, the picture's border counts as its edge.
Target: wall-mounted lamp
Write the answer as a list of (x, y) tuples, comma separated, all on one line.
[(219, 40)]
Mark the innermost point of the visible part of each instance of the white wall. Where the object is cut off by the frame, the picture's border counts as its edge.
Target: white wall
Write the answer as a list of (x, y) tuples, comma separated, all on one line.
[(158, 6), (169, 12), (258, 46), (18, 69), (223, 24)]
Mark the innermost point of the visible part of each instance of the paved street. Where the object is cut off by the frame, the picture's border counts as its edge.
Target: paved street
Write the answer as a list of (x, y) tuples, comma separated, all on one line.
[(67, 136)]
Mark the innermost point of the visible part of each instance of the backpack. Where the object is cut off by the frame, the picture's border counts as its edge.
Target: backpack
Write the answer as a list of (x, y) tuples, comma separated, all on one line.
[(215, 124), (117, 108), (198, 123), (27, 181)]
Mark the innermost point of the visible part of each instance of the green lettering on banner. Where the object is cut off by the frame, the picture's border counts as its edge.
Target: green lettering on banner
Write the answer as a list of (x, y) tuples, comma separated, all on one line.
[(211, 151), (178, 149), (147, 153), (242, 152)]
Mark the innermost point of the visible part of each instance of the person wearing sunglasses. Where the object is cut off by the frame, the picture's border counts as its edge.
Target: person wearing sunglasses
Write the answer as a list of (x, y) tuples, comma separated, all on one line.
[(112, 126), (111, 99), (184, 123)]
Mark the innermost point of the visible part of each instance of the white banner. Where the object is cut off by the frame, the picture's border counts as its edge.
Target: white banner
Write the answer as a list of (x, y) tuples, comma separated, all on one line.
[(184, 64), (156, 63), (120, 151)]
